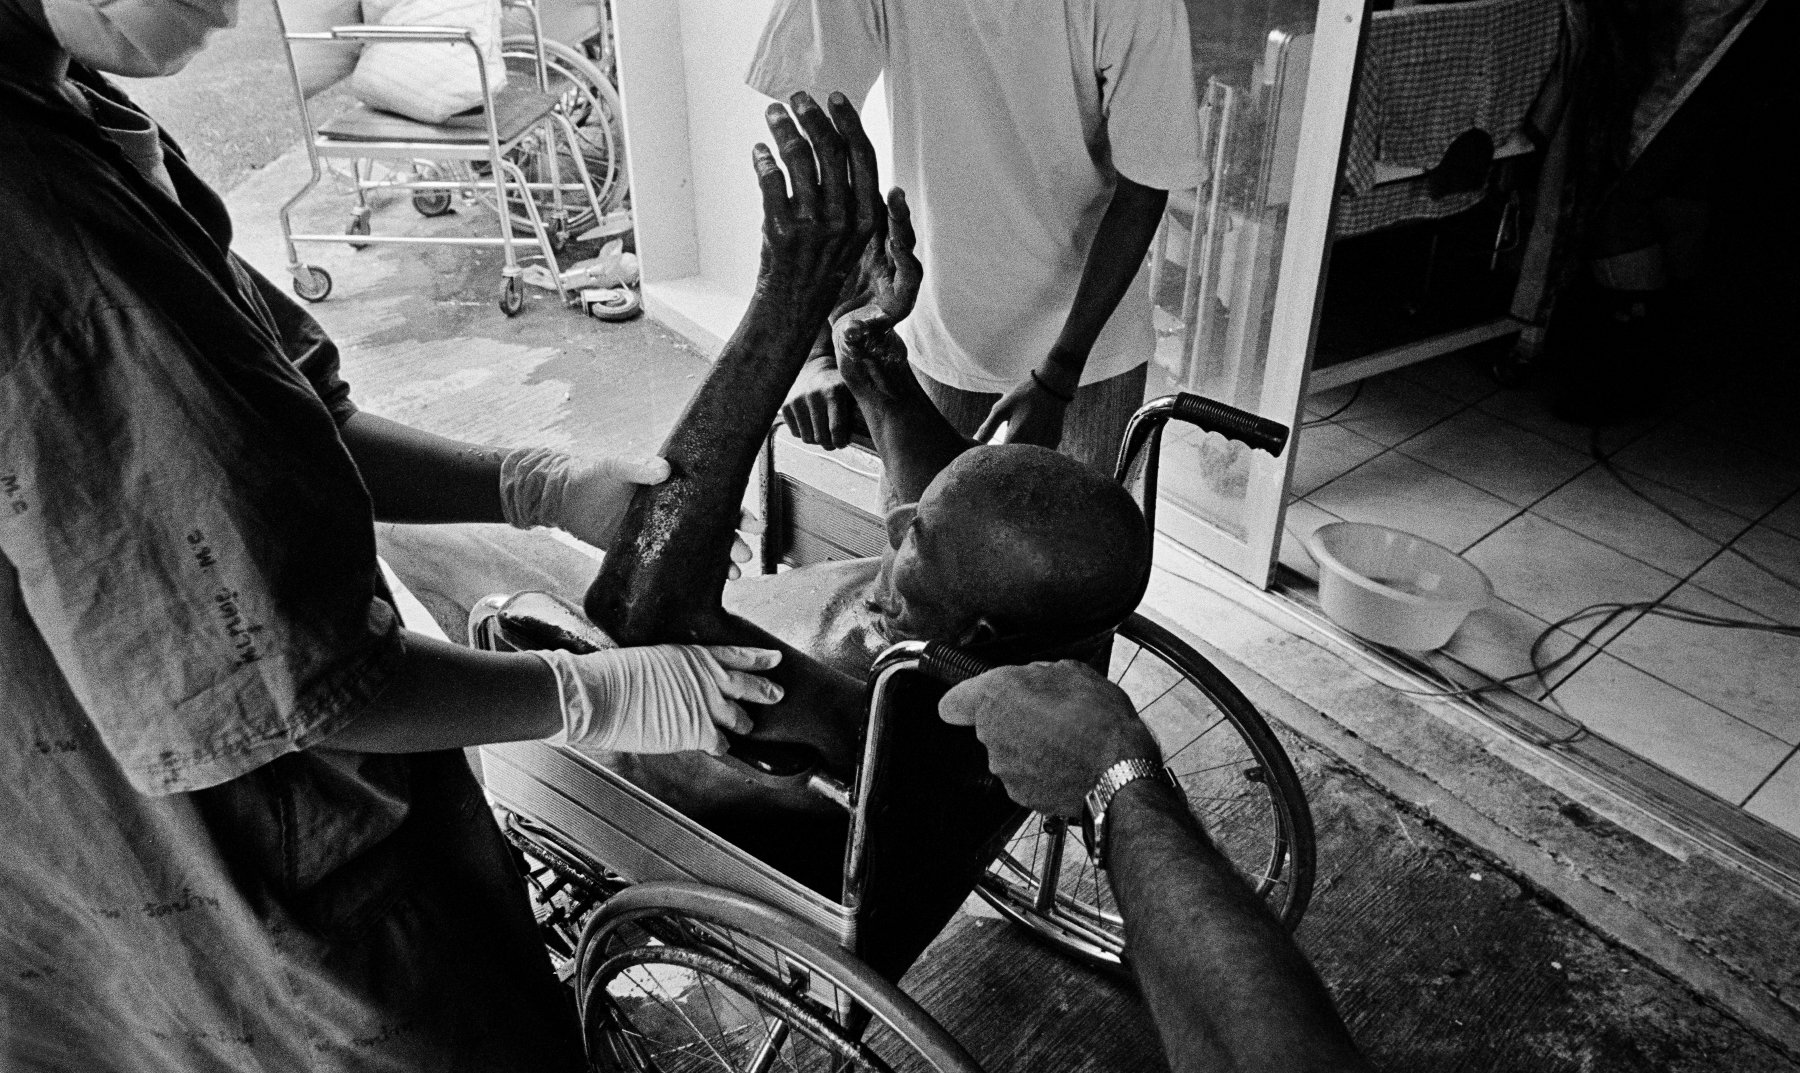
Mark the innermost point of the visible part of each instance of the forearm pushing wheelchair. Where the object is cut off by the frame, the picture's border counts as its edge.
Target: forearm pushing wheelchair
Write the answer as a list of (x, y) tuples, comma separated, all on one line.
[(685, 951)]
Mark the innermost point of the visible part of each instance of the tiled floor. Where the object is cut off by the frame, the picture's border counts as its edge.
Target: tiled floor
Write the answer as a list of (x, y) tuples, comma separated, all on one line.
[(1673, 510)]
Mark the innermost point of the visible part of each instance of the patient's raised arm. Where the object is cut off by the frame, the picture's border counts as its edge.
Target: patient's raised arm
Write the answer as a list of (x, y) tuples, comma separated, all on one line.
[(664, 578)]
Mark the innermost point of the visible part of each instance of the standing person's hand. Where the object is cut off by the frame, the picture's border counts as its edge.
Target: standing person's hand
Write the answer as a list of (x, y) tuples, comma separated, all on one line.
[(1050, 730), (1032, 412), (659, 698)]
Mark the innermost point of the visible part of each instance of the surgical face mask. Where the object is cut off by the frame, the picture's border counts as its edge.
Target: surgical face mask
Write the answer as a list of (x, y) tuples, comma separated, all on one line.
[(137, 38)]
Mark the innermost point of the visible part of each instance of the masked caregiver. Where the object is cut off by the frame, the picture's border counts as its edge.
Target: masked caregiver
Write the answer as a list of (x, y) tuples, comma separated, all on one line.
[(236, 832)]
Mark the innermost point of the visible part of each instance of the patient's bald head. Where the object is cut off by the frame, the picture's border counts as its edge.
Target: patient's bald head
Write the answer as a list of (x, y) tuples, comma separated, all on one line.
[(1028, 540)]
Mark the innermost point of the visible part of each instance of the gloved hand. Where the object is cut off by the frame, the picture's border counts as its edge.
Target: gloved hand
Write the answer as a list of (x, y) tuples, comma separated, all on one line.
[(586, 497), (659, 698)]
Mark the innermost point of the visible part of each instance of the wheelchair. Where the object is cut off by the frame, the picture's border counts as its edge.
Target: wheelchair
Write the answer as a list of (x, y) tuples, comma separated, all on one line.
[(684, 951)]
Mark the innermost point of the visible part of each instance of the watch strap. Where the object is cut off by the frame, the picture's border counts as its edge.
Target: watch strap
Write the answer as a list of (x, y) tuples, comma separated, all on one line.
[(1099, 799)]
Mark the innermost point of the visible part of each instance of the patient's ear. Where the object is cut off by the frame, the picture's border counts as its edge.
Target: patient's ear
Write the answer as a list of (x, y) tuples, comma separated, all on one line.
[(899, 520)]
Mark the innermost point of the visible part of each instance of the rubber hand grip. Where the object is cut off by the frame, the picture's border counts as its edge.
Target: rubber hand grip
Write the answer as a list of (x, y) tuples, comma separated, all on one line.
[(951, 665), (1233, 423)]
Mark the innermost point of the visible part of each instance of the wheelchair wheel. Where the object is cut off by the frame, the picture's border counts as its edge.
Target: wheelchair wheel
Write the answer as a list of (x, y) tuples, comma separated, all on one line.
[(676, 976), (592, 105), (1238, 780)]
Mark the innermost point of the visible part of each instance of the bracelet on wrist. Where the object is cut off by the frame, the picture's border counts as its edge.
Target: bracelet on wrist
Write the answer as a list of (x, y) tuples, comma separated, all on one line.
[(1050, 391)]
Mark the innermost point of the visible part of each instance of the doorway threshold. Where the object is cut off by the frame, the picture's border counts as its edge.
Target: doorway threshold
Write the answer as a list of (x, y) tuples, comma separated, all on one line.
[(1707, 893), (1648, 796)]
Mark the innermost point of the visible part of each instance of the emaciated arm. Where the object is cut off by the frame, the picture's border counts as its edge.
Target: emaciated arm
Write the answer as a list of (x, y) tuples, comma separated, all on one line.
[(661, 584), (1227, 988)]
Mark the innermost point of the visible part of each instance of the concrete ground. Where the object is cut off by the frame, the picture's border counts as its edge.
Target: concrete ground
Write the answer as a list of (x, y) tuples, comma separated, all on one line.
[(1440, 956)]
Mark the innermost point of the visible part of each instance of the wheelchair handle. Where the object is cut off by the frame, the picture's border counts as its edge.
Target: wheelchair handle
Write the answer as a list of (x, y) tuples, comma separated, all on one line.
[(1231, 422), (944, 662)]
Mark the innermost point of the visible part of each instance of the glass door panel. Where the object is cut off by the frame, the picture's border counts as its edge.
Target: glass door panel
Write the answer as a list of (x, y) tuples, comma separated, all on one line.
[(1238, 267)]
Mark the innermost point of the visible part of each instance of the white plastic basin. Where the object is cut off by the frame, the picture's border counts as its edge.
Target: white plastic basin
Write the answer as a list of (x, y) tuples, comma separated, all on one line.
[(1392, 587)]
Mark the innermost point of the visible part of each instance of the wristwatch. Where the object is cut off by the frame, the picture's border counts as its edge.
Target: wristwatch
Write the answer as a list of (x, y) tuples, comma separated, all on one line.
[(1099, 799)]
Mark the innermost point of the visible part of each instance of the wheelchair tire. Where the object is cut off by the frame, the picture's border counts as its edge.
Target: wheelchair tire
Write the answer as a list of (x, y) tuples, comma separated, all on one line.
[(1239, 782), (677, 976), (592, 105)]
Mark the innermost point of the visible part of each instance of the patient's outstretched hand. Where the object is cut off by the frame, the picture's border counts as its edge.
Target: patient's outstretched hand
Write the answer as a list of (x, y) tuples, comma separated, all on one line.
[(886, 283), (868, 361), (871, 358), (814, 235)]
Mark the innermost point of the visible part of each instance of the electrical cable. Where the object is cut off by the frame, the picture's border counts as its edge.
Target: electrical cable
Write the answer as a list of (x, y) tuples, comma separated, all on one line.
[(1355, 393), (1618, 475), (1608, 612)]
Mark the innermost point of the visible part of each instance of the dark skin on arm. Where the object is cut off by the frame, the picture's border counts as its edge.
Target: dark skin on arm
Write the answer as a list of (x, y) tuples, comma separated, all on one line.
[(391, 457), (812, 240), (913, 439), (821, 410), (1032, 413), (1227, 988)]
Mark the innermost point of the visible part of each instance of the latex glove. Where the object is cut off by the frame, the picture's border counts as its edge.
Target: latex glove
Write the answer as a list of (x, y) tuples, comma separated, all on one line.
[(819, 408), (1050, 730), (659, 698), (585, 497), (1031, 413)]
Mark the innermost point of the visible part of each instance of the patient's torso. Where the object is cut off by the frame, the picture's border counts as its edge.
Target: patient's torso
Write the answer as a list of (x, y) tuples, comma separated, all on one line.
[(822, 611), (940, 815)]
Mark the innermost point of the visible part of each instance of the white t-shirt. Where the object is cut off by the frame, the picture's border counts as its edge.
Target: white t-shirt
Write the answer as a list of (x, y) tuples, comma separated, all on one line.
[(1011, 120)]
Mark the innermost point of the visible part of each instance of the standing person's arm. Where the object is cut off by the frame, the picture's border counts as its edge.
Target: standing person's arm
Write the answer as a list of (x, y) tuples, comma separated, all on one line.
[(1033, 409), (1143, 63), (1226, 986)]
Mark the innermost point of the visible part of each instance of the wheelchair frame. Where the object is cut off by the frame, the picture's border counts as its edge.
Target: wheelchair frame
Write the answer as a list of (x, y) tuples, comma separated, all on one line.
[(517, 128), (626, 883)]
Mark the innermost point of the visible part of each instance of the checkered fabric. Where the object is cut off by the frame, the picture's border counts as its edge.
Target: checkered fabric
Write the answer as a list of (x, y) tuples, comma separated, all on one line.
[(1430, 73), (1397, 202)]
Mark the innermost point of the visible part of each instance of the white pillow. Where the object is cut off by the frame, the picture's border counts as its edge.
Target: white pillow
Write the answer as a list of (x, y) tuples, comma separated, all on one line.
[(433, 81), (321, 65)]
